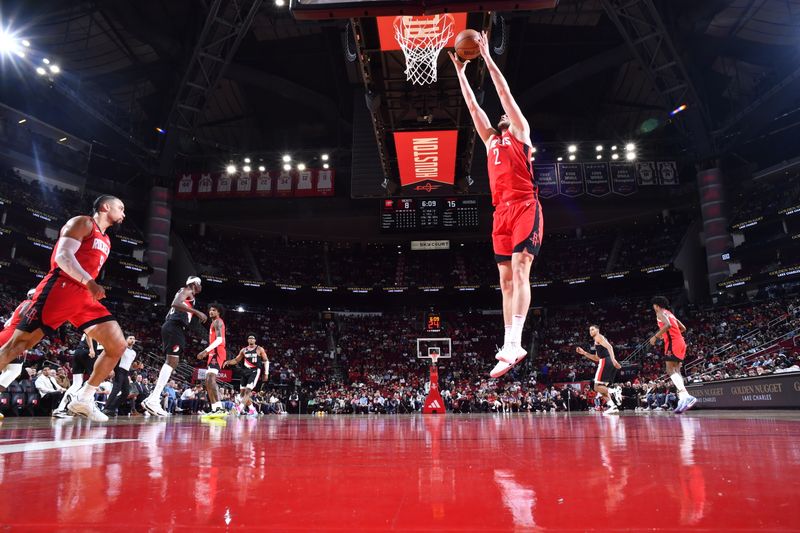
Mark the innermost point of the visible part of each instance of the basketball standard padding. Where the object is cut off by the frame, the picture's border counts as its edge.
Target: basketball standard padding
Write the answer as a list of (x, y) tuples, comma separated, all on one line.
[(467, 44)]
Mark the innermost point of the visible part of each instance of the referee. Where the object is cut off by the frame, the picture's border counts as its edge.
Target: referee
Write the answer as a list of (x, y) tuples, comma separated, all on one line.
[(122, 386)]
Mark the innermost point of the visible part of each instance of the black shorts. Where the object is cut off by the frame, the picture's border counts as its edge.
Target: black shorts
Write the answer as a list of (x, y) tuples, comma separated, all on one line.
[(605, 372), (173, 338), (82, 363), (250, 377)]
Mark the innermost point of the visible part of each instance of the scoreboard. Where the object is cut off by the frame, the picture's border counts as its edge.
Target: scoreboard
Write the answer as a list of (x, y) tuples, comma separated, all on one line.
[(429, 214), (433, 322)]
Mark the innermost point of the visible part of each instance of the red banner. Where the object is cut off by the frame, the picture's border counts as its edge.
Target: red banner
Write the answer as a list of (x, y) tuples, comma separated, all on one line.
[(417, 28), (426, 156), (205, 185)]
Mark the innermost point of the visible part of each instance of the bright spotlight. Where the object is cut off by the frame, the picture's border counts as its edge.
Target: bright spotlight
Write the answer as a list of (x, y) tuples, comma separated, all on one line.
[(614, 148), (287, 167), (287, 158), (230, 169), (26, 43), (630, 156), (677, 110), (630, 147), (22, 121), (240, 309), (599, 148), (572, 148), (55, 69), (614, 156), (40, 71), (280, 3), (246, 159), (326, 166), (301, 166), (20, 54), (262, 168), (572, 157), (246, 168), (325, 157), (62, 139), (45, 61), (559, 158), (599, 156), (162, 131), (8, 43)]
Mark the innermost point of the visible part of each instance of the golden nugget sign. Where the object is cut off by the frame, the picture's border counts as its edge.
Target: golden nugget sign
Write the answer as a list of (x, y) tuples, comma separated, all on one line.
[(766, 392)]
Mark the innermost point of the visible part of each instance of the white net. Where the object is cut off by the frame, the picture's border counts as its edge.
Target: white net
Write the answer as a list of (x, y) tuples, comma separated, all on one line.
[(422, 39)]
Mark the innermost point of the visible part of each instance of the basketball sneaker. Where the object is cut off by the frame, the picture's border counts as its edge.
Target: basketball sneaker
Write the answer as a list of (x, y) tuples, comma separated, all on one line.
[(511, 353), (154, 408), (87, 409), (612, 410), (61, 413), (685, 404), (219, 412), (617, 393)]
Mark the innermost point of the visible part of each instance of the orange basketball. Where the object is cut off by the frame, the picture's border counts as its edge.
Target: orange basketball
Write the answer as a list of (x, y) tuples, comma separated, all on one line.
[(467, 44)]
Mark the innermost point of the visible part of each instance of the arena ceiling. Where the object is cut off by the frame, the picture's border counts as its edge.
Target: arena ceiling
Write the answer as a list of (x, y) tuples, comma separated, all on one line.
[(288, 84)]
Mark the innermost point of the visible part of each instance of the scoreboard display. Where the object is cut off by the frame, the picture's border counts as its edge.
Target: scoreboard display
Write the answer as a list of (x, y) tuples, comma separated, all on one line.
[(429, 214), (433, 322)]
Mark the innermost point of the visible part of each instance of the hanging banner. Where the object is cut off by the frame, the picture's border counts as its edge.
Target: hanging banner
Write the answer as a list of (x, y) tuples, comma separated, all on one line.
[(426, 156), (667, 173), (623, 178), (264, 184), (546, 179), (283, 184), (304, 185), (646, 173), (244, 184), (570, 179), (224, 182), (186, 186), (206, 185), (324, 182), (598, 182)]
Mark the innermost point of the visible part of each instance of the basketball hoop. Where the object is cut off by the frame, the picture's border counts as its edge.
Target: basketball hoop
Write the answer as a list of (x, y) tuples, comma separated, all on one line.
[(422, 39), (434, 352)]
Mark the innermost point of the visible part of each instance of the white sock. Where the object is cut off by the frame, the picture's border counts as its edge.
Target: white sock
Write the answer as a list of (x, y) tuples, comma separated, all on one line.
[(677, 379), (517, 323), (507, 336), (161, 382), (77, 379), (71, 391), (87, 393), (11, 373)]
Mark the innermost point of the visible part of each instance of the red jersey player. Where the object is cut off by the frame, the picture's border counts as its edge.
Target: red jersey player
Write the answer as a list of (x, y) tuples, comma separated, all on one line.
[(518, 222), (670, 329), (13, 370), (215, 358), (69, 293)]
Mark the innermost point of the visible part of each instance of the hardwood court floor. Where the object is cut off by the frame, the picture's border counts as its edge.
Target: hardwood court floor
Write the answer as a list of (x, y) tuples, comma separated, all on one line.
[(709, 471)]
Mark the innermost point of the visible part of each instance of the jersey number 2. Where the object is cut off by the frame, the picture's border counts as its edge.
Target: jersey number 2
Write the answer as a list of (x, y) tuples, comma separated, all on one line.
[(496, 156)]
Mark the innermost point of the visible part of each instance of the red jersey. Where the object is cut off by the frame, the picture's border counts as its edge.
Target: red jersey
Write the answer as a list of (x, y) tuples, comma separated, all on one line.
[(673, 336), (91, 255), (510, 171), (212, 336), (13, 320)]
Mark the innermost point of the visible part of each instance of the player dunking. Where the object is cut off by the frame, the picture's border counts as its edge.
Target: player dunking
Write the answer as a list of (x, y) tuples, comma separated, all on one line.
[(69, 293), (607, 366), (518, 221), (251, 354), (173, 339), (215, 358), (670, 329)]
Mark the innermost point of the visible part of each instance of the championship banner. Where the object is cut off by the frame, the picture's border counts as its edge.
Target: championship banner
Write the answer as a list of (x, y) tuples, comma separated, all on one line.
[(598, 182), (646, 174), (570, 179), (293, 183), (546, 179), (426, 156), (667, 173), (623, 178)]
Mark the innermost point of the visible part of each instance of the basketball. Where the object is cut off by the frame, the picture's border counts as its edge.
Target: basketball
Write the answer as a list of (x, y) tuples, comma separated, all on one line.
[(467, 44)]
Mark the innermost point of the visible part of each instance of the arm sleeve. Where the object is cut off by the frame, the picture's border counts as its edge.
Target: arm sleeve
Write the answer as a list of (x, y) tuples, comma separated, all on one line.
[(214, 344), (66, 261)]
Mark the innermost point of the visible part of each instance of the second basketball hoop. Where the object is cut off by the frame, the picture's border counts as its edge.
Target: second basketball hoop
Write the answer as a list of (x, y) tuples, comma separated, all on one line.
[(422, 38)]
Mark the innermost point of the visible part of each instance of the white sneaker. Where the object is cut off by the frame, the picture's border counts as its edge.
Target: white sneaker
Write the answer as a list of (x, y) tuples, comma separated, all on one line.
[(61, 413), (86, 409), (617, 392), (500, 369), (511, 354), (154, 408), (612, 410)]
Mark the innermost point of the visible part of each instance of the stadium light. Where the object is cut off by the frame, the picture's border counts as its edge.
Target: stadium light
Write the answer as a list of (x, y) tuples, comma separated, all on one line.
[(62, 139), (599, 148), (559, 158), (572, 148), (262, 168), (325, 157), (26, 43), (247, 160), (162, 131), (614, 156), (246, 168), (240, 309), (280, 3), (22, 121), (287, 158), (630, 156), (8, 43), (599, 156), (614, 148), (301, 166), (230, 169), (287, 167), (326, 166), (630, 147), (55, 69), (45, 61), (572, 157), (40, 71), (677, 110)]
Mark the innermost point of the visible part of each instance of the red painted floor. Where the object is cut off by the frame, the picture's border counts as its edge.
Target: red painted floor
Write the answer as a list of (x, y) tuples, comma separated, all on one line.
[(704, 471)]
